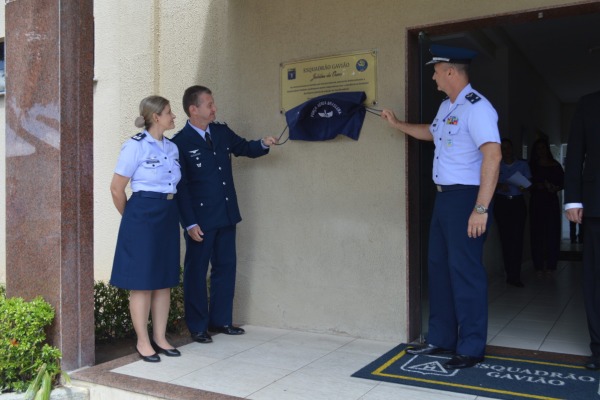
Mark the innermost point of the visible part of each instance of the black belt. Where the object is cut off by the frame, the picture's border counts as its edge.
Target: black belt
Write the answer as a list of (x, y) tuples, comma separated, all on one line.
[(509, 197), (153, 195), (449, 188)]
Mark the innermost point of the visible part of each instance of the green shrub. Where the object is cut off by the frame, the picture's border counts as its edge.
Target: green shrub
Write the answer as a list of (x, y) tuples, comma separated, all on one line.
[(111, 312), (23, 350), (176, 322), (22, 342)]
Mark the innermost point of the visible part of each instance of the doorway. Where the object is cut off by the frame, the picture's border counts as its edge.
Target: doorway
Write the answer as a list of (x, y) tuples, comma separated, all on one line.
[(533, 66)]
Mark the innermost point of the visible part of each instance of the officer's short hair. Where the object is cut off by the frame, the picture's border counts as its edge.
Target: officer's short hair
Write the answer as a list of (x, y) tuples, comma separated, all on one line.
[(191, 95), (461, 67)]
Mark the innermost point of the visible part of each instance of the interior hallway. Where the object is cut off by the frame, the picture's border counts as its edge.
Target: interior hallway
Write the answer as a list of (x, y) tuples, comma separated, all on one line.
[(547, 314), (268, 363)]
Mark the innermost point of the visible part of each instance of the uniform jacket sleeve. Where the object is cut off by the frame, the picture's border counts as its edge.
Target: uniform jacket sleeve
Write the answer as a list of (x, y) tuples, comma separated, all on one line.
[(582, 166), (206, 192), (186, 214), (241, 146)]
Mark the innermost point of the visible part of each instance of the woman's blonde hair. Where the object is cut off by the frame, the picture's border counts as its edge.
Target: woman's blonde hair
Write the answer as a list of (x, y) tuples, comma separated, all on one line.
[(148, 107)]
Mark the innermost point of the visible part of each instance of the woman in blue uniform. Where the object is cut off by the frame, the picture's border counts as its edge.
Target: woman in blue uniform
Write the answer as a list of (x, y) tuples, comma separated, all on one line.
[(147, 254)]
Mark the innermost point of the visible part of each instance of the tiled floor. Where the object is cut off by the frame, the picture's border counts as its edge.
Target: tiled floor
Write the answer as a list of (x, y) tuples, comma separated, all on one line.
[(547, 314), (266, 363)]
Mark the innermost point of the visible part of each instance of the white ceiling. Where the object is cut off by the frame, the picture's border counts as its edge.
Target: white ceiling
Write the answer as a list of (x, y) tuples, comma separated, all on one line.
[(564, 51)]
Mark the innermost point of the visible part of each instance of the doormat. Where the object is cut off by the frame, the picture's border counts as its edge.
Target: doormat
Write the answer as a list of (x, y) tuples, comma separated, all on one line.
[(501, 377)]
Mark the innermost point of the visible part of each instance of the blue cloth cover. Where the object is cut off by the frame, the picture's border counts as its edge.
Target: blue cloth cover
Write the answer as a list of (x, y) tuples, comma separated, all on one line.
[(325, 117)]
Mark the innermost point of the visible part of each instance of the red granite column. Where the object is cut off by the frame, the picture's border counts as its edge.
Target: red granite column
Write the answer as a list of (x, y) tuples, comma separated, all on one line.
[(49, 165)]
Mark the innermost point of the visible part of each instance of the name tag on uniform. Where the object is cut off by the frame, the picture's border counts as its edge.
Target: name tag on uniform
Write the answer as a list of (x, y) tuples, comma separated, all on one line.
[(152, 163)]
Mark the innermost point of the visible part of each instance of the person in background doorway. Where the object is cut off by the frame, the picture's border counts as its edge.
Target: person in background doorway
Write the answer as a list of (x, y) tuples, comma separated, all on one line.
[(465, 171), (510, 212), (147, 254), (547, 178), (582, 205)]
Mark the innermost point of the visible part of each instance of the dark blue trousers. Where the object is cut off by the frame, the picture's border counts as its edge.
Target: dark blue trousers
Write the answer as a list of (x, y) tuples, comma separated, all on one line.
[(458, 315), (511, 215), (218, 248), (591, 279), (544, 228)]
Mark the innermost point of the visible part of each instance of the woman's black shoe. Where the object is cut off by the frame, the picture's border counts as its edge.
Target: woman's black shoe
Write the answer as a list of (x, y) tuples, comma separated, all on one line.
[(166, 352), (153, 358)]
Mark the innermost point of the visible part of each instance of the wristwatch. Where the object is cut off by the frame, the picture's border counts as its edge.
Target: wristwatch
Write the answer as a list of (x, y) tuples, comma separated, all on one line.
[(479, 209)]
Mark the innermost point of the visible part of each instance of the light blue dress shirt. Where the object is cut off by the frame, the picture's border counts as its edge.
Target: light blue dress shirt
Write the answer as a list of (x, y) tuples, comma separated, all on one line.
[(151, 165), (459, 130)]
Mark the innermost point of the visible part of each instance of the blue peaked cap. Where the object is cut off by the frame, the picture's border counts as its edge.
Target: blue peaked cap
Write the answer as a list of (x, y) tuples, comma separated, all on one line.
[(455, 55), (325, 117)]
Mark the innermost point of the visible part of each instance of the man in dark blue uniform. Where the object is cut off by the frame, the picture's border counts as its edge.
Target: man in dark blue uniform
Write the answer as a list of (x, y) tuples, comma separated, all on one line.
[(209, 212), (465, 171), (582, 205)]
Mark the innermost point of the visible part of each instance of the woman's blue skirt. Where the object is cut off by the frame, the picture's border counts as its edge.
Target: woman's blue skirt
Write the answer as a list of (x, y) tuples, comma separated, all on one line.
[(147, 253)]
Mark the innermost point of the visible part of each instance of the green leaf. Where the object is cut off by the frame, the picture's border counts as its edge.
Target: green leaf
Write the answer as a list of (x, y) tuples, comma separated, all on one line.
[(46, 389), (35, 384)]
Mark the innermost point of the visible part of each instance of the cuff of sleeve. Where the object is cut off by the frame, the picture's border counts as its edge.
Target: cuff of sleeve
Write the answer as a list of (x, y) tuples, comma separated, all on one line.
[(568, 206)]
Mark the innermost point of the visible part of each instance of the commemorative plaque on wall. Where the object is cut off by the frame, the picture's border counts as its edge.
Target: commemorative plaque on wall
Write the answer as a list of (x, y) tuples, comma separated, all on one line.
[(303, 80)]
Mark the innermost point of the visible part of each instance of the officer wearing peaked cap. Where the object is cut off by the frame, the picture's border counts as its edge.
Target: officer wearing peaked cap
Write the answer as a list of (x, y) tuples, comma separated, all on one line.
[(465, 172), (454, 55)]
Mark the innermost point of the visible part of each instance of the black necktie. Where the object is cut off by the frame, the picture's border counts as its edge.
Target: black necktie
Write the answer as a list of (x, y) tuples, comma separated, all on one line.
[(208, 139)]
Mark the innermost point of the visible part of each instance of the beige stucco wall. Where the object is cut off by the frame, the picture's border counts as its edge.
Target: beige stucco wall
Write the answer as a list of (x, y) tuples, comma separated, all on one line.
[(322, 246)]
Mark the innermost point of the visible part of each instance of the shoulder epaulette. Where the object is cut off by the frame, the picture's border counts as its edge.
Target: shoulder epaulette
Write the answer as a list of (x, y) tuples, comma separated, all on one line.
[(219, 123), (139, 136), (472, 97)]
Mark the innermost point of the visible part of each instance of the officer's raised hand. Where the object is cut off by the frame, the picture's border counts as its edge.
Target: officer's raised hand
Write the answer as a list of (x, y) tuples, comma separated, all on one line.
[(268, 141)]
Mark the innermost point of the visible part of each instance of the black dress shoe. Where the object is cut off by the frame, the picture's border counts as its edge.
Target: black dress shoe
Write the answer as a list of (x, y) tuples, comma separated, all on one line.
[(428, 350), (152, 358), (201, 337), (593, 363), (227, 330), (462, 361), (166, 352), (516, 283)]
